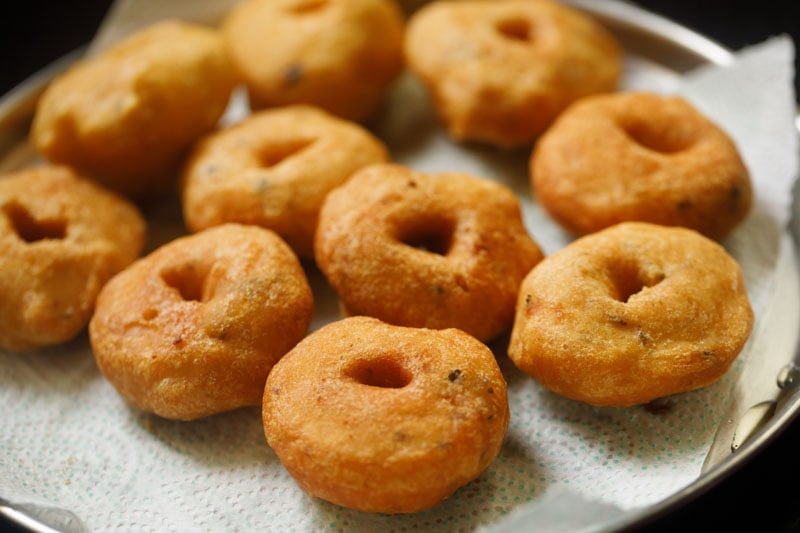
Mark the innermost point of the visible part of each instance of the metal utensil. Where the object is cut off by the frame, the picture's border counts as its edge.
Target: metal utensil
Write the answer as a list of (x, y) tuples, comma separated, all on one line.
[(40, 518)]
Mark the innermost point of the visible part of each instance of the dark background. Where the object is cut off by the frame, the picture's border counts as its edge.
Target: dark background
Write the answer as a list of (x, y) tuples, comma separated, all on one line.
[(35, 32), (763, 495)]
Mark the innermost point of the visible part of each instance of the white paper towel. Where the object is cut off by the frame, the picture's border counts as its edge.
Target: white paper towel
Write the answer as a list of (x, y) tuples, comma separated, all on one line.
[(68, 440)]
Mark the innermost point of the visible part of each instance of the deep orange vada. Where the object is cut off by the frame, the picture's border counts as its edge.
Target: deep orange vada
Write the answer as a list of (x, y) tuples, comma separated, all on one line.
[(640, 156), (631, 313), (274, 169), (62, 237), (193, 328), (500, 71), (384, 418), (427, 250)]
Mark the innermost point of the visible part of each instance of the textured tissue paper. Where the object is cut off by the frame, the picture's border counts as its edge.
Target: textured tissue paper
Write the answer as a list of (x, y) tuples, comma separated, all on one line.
[(69, 442)]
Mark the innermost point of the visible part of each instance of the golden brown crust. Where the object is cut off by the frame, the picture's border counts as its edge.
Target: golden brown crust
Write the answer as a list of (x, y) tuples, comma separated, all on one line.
[(640, 156), (339, 55), (193, 328), (427, 250), (500, 71), (274, 170), (383, 418), (630, 314), (62, 237), (126, 116)]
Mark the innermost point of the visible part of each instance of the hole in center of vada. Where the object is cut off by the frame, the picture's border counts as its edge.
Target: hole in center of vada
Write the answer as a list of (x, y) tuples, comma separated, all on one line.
[(665, 139), (307, 6), (628, 280), (31, 230), (278, 153), (189, 280), (515, 29), (430, 234), (383, 372)]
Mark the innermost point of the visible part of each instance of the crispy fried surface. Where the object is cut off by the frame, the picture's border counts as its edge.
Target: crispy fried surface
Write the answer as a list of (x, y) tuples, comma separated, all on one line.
[(501, 71), (339, 55), (630, 314), (193, 328), (426, 250), (274, 170), (126, 116), (384, 418), (640, 156), (62, 237)]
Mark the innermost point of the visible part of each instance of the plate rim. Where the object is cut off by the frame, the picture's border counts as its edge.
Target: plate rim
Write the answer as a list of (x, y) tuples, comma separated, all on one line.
[(18, 105)]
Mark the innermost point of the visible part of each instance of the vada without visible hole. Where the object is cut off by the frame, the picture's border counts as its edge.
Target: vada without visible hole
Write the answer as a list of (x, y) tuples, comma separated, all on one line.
[(340, 55), (126, 116)]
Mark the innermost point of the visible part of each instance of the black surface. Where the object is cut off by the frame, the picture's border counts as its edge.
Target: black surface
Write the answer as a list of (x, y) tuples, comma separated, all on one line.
[(763, 495), (34, 33)]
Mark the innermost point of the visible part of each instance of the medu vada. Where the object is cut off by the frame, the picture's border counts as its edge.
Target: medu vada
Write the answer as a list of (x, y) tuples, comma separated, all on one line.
[(193, 328), (384, 418), (126, 116), (640, 156), (434, 250), (273, 169), (500, 71), (630, 314), (62, 238), (339, 55)]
